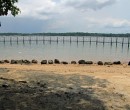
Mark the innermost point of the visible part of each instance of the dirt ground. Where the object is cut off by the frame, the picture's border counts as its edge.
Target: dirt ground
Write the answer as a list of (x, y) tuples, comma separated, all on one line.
[(64, 87)]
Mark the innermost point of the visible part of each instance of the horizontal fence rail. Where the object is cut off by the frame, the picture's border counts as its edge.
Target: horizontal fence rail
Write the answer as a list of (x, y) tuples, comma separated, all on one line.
[(29, 39)]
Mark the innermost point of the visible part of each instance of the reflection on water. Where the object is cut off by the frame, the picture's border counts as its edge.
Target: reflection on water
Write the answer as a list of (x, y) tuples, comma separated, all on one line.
[(105, 49)]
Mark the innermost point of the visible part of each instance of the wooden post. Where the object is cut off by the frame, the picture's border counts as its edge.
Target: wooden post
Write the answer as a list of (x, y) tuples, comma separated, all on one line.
[(43, 40), (50, 40), (116, 41), (63, 40), (122, 41), (36, 40), (128, 42), (17, 40), (96, 40), (57, 40), (103, 40), (90, 40), (83, 40), (23, 40), (30, 40), (4, 40), (77, 39), (111, 41), (10, 40), (70, 39)]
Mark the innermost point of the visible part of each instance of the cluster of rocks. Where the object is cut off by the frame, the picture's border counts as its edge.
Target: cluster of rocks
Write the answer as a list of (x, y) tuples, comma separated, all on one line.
[(19, 62), (56, 61)]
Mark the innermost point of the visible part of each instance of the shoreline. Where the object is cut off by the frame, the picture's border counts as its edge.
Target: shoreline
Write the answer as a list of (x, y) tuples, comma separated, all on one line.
[(57, 61)]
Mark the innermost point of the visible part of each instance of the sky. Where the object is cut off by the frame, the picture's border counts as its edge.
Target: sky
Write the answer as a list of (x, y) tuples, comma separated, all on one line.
[(94, 16)]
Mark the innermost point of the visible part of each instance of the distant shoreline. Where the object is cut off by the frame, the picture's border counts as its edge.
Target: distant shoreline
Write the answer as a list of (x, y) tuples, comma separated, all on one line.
[(69, 34)]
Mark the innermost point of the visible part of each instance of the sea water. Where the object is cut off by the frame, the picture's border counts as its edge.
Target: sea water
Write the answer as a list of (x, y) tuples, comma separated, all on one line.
[(64, 50)]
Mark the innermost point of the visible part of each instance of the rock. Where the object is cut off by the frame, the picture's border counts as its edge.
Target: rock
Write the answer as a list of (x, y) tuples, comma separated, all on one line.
[(100, 63), (108, 63), (57, 94), (20, 62), (81, 62), (89, 62), (26, 62), (13, 62), (56, 61), (34, 61), (44, 62), (73, 62), (50, 61), (23, 81), (1, 62), (117, 63), (44, 85), (6, 61), (64, 62), (5, 85)]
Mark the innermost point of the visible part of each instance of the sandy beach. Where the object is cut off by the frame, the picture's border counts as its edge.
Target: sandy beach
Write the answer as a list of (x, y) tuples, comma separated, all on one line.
[(64, 87)]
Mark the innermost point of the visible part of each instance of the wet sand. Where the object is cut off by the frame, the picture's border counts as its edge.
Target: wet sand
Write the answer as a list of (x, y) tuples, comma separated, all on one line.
[(64, 87)]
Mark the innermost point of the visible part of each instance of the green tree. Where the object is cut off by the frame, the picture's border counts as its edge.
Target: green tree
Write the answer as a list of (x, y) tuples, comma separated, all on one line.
[(8, 5)]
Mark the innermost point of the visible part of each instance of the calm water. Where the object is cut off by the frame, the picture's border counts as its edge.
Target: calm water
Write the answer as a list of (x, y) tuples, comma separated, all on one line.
[(65, 50)]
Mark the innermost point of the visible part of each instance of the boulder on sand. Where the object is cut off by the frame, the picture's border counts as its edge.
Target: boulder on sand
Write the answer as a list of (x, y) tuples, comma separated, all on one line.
[(26, 62), (34, 61), (129, 63), (100, 63), (81, 62), (44, 62), (89, 62), (6, 61), (13, 62), (1, 61), (73, 62), (108, 63), (56, 61), (64, 62), (50, 61), (116, 62)]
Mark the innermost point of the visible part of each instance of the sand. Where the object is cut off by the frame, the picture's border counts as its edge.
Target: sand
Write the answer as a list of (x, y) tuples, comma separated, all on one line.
[(64, 87)]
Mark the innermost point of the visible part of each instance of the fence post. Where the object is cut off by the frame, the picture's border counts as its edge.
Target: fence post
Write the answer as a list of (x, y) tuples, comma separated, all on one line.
[(63, 40), (77, 39), (103, 40), (23, 40), (122, 41), (57, 40), (4, 40), (36, 40), (43, 40), (70, 39), (128, 42), (10, 40), (50, 39), (29, 40), (17, 40), (96, 40), (111, 41), (116, 41)]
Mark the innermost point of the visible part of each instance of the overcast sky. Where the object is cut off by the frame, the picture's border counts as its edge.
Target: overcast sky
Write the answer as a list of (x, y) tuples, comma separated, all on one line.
[(101, 16)]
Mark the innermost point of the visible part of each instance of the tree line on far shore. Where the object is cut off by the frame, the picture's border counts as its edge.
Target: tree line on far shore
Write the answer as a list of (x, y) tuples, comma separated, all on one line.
[(67, 34)]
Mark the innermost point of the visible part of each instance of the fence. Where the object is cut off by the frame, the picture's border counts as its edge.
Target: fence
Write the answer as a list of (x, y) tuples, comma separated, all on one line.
[(83, 39)]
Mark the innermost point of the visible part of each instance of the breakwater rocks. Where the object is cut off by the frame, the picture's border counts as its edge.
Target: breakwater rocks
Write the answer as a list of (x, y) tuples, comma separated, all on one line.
[(57, 61)]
